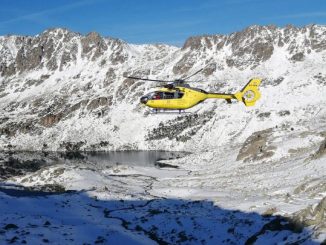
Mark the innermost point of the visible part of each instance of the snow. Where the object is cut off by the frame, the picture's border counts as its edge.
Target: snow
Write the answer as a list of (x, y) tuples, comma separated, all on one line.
[(211, 195)]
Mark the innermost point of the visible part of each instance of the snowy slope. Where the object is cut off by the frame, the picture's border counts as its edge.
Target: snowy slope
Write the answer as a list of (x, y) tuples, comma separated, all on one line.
[(63, 91), (61, 87)]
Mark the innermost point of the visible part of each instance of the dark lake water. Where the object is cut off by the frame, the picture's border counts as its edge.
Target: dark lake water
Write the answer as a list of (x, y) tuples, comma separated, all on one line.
[(20, 163), (17, 163), (132, 158)]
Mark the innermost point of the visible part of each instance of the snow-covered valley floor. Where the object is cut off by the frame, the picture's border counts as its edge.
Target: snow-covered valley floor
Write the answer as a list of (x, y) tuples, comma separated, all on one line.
[(232, 195)]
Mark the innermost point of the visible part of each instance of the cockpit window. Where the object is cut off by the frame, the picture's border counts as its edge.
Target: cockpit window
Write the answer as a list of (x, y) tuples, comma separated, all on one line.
[(158, 95)]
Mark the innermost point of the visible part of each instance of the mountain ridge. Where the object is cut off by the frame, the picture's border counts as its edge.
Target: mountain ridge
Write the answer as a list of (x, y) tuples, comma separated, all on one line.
[(58, 77)]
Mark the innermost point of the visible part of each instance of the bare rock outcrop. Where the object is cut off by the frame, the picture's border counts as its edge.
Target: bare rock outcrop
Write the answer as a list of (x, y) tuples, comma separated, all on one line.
[(93, 45), (313, 215), (256, 147), (51, 119)]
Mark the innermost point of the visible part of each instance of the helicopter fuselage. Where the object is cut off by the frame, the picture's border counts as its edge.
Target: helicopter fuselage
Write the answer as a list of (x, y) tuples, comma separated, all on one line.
[(179, 98), (183, 97)]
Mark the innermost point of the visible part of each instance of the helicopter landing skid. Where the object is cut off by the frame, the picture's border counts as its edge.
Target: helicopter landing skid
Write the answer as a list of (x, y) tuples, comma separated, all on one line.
[(165, 111)]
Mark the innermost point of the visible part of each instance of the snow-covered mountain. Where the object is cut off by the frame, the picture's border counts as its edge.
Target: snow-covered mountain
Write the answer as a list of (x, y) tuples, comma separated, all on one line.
[(60, 88), (63, 91)]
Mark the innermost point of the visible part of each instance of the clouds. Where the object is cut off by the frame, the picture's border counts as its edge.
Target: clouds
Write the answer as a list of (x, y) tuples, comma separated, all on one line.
[(40, 15)]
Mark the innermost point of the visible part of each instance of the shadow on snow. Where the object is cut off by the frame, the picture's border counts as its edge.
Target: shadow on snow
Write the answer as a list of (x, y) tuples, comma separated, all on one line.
[(35, 217)]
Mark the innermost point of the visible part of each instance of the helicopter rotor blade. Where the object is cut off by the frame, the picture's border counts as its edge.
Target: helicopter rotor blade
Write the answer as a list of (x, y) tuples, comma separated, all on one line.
[(145, 79), (193, 74), (186, 81), (196, 73)]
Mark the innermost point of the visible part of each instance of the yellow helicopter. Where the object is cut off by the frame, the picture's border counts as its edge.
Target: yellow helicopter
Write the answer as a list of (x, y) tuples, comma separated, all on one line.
[(178, 95)]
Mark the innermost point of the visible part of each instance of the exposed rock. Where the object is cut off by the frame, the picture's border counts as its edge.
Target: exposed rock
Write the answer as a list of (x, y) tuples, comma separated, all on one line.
[(298, 57), (321, 79), (311, 187), (93, 43), (14, 167), (251, 46), (255, 147), (10, 227), (12, 128), (65, 59), (7, 70), (313, 215), (183, 65), (206, 41), (277, 81), (322, 150), (264, 115), (95, 103), (72, 146), (247, 44), (54, 188), (194, 43), (284, 113), (173, 129), (51, 119), (316, 33), (209, 70), (28, 59), (118, 55), (278, 224), (124, 88), (110, 77), (76, 106)]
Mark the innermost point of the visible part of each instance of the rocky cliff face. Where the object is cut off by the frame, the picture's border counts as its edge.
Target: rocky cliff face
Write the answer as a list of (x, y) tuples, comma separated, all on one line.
[(60, 86)]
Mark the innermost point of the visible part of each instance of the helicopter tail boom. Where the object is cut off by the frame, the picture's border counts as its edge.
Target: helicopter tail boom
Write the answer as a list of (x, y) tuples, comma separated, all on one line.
[(220, 96), (250, 93)]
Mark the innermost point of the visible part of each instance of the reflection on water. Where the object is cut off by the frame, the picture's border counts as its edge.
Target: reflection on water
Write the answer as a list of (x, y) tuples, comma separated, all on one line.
[(132, 158), (18, 163)]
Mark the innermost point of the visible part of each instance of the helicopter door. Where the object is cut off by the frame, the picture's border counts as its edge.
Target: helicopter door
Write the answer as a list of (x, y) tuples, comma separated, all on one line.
[(180, 102), (179, 95)]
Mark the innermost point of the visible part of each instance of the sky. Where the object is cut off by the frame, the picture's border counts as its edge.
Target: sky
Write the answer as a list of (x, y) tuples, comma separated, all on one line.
[(155, 21)]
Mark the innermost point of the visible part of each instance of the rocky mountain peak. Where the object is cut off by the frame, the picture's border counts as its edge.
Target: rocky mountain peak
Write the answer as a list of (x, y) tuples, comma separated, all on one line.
[(249, 47), (64, 91), (57, 31), (93, 43), (254, 45)]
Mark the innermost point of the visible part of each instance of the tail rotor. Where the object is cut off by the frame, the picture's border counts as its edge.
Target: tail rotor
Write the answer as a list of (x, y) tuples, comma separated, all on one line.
[(250, 93)]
